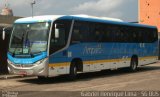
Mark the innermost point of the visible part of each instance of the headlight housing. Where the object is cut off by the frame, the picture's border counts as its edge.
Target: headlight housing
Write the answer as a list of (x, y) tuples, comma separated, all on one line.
[(40, 61), (27, 65), (10, 62)]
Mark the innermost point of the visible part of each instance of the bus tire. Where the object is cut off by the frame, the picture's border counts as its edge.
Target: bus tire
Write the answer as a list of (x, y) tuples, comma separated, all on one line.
[(134, 64), (73, 71)]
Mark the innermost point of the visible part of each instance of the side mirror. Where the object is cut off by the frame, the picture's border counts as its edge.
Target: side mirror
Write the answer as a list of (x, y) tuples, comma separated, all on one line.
[(56, 31), (3, 34)]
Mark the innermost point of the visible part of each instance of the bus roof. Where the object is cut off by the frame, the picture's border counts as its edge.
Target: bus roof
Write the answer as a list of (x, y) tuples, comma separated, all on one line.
[(38, 19), (54, 17), (79, 17)]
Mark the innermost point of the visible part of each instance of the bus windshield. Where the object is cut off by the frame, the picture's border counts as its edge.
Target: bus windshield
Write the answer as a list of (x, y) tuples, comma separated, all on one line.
[(29, 38)]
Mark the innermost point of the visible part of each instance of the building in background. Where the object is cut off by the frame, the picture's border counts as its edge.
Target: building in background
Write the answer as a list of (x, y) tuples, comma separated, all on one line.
[(149, 12), (6, 16), (7, 11)]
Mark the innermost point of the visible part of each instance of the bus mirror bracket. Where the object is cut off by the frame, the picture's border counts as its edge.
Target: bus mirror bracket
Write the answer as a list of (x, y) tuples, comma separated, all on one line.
[(56, 31), (3, 34)]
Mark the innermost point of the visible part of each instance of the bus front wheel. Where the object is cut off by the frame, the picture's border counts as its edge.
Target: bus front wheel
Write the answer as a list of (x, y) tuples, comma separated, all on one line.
[(73, 71)]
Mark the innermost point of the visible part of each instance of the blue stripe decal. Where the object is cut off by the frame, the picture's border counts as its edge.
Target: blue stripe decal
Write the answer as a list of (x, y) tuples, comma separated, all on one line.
[(27, 60), (104, 51)]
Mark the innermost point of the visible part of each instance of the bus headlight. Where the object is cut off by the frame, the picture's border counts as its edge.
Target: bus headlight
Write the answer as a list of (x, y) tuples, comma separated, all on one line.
[(9, 62), (39, 62)]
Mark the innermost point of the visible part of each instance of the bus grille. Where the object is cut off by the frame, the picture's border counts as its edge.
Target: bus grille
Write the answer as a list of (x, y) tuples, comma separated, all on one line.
[(21, 65)]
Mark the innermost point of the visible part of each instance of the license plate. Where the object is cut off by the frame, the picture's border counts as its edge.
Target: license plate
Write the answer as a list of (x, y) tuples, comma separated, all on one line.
[(23, 73)]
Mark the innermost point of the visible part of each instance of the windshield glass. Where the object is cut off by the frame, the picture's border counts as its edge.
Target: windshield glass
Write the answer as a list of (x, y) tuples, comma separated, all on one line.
[(29, 38)]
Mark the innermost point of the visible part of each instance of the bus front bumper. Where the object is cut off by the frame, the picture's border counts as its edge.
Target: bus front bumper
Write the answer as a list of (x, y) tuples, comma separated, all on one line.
[(38, 69)]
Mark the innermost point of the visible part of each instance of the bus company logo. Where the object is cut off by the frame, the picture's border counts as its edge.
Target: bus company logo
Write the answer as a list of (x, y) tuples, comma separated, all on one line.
[(93, 50)]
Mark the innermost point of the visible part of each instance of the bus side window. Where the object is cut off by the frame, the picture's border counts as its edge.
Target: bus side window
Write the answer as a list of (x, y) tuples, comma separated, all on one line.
[(154, 35), (98, 33), (140, 36), (59, 35), (80, 32), (76, 35)]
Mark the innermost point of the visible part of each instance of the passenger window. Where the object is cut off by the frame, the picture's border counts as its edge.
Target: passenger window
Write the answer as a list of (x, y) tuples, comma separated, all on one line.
[(80, 32)]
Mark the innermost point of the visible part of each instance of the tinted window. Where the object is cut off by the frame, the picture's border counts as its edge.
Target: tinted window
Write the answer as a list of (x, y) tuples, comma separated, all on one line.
[(102, 32), (83, 32), (59, 35)]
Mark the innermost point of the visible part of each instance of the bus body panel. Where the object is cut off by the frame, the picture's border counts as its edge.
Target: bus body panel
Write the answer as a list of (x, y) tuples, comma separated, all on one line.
[(101, 56), (95, 56)]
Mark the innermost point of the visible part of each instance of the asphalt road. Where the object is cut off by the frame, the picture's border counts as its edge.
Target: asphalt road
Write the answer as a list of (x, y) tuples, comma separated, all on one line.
[(146, 78)]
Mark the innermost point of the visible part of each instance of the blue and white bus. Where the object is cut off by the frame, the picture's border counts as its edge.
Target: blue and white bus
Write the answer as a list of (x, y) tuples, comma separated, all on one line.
[(48, 46)]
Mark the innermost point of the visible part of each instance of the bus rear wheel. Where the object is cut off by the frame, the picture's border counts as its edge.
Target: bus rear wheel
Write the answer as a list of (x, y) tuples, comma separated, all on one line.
[(134, 64), (73, 71)]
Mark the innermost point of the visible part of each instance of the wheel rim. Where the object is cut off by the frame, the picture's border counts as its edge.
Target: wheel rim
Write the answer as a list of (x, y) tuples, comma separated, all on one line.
[(75, 71), (134, 65)]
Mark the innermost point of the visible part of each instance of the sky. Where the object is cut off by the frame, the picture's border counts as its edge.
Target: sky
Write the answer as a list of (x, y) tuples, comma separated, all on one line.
[(126, 10)]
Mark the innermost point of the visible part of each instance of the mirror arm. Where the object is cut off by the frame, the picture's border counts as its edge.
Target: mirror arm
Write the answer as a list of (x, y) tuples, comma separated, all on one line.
[(3, 33)]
